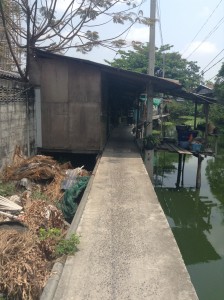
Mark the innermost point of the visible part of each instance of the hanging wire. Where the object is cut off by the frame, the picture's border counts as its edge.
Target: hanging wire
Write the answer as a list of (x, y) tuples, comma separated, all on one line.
[(213, 65), (212, 60), (202, 27), (210, 33), (212, 78), (161, 34), (159, 18)]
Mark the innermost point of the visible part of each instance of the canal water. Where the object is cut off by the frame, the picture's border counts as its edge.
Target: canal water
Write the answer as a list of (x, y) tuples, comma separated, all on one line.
[(196, 216)]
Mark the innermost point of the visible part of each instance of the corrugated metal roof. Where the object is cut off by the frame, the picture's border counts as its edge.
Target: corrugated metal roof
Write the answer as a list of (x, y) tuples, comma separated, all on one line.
[(161, 85)]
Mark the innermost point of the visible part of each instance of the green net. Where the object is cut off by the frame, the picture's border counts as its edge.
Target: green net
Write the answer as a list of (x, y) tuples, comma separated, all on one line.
[(71, 198)]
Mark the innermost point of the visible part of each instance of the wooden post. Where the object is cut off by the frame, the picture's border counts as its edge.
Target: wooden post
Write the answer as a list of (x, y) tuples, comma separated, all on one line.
[(182, 181), (179, 170), (206, 121), (195, 114), (216, 145), (198, 176), (137, 121)]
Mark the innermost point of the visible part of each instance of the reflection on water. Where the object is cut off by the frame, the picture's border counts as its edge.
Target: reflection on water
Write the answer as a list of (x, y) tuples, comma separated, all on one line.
[(196, 217)]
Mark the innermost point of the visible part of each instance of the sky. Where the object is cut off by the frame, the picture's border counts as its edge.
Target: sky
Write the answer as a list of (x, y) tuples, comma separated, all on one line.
[(195, 28)]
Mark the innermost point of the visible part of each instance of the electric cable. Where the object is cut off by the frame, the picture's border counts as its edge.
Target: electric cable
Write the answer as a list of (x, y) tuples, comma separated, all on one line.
[(212, 78), (210, 33), (212, 60), (161, 35), (202, 27), (213, 65), (159, 18)]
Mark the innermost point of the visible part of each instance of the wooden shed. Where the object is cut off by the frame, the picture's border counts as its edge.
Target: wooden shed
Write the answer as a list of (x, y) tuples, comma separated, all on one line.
[(77, 100)]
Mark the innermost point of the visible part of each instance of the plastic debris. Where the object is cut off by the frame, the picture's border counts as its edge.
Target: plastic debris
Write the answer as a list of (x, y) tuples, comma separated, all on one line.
[(8, 205)]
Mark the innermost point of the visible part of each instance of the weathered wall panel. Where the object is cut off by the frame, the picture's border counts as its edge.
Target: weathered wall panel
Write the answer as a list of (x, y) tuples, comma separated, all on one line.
[(105, 118), (54, 81), (71, 106), (55, 125), (84, 126), (84, 106), (84, 83)]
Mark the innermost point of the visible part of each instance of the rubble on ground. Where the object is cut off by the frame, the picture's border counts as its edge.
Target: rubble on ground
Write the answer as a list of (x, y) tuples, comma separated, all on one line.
[(40, 182)]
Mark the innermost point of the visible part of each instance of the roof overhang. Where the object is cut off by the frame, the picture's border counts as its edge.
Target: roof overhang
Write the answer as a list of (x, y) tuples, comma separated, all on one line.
[(134, 80)]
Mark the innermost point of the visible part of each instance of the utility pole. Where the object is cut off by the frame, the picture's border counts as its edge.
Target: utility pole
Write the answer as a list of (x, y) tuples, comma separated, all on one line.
[(152, 38), (151, 65), (149, 154)]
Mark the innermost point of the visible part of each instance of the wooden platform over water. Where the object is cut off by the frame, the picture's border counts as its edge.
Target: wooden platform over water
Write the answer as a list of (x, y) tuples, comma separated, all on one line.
[(171, 147)]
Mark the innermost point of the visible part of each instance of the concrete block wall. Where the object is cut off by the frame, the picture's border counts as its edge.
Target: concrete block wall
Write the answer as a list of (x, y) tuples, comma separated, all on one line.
[(17, 126)]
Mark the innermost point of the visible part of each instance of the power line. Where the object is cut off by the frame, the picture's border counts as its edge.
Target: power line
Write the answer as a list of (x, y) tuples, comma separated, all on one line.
[(161, 34), (212, 78), (159, 18), (210, 33), (212, 60), (213, 65), (202, 27)]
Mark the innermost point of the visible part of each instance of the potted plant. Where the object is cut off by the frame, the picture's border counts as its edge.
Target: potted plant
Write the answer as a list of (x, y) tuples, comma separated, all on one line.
[(151, 141)]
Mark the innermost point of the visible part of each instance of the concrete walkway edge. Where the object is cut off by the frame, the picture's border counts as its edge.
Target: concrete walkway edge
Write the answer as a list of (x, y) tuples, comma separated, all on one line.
[(52, 283)]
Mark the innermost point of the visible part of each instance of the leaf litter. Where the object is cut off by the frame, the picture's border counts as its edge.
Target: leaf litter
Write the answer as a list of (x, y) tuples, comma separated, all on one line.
[(26, 260)]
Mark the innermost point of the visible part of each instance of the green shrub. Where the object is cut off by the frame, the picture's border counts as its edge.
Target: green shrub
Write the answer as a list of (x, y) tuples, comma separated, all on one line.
[(7, 189), (38, 195), (54, 245), (51, 233), (67, 246)]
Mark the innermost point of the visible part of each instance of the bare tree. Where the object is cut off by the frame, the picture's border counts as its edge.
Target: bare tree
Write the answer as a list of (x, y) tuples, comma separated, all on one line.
[(58, 25)]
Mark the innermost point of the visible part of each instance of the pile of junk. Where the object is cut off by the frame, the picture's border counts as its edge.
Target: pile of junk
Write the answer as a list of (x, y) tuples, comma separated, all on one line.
[(188, 138), (38, 200)]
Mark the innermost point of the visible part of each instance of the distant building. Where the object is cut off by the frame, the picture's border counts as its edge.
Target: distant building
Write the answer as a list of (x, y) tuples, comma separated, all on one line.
[(205, 91), (6, 60)]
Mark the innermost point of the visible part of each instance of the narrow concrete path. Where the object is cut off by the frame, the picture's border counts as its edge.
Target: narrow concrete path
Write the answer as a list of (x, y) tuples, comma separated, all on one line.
[(127, 249)]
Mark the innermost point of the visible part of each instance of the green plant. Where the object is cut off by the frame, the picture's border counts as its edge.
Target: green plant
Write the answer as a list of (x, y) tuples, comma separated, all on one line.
[(67, 246), (151, 141), (52, 233), (37, 195), (168, 123), (7, 189)]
